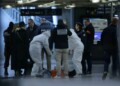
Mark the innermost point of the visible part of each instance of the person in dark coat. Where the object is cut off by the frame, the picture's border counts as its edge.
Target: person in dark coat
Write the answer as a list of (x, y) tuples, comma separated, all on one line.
[(32, 30), (82, 35), (110, 46), (89, 29), (7, 48), (60, 38), (19, 48), (80, 32)]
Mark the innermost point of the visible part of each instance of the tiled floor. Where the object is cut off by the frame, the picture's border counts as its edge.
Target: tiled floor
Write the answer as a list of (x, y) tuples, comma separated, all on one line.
[(88, 80)]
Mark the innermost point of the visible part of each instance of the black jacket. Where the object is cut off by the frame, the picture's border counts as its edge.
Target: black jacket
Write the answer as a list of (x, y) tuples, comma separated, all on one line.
[(59, 36), (109, 37), (19, 49), (82, 35), (90, 36), (7, 38), (32, 32)]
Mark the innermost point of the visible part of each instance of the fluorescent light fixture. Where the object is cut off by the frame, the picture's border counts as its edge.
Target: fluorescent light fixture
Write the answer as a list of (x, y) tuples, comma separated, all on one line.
[(40, 5), (108, 1), (95, 1), (20, 1), (51, 4), (70, 6), (25, 1), (112, 0), (8, 6)]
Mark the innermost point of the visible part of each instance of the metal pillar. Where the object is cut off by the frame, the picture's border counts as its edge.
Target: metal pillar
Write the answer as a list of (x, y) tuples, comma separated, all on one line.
[(111, 10), (118, 36)]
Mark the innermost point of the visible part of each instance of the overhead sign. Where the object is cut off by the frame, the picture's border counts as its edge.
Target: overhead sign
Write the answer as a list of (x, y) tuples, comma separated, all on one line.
[(40, 12)]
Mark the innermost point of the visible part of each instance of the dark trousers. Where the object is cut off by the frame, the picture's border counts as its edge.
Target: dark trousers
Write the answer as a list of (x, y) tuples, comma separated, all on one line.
[(7, 55), (107, 58), (86, 61), (48, 59), (29, 65)]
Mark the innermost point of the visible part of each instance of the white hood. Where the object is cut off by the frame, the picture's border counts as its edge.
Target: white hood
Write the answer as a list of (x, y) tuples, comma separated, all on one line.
[(47, 33)]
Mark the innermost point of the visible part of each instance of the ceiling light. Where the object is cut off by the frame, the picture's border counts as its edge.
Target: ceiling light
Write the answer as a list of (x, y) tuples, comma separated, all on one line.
[(25, 1), (95, 1), (40, 5), (69, 6), (51, 4), (8, 6), (20, 1)]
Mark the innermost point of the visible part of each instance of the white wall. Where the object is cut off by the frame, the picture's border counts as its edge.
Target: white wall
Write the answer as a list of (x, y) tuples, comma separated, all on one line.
[(4, 22)]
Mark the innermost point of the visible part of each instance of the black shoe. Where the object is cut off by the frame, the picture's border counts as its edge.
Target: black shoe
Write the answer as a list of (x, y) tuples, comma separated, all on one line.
[(6, 72), (104, 75), (18, 74)]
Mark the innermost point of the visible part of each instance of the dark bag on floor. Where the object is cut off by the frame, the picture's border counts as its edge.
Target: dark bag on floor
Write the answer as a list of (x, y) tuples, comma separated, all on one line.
[(72, 73)]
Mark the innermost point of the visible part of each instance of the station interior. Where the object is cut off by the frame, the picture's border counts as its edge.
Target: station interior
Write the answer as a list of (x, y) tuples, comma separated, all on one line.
[(100, 14)]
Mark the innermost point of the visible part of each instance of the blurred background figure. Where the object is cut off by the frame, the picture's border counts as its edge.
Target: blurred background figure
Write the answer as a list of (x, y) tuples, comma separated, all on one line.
[(110, 46), (7, 48), (89, 29), (80, 32), (19, 49), (32, 30)]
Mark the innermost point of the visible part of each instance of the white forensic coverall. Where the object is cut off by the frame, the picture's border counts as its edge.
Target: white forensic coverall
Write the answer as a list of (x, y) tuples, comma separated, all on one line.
[(77, 47), (35, 48)]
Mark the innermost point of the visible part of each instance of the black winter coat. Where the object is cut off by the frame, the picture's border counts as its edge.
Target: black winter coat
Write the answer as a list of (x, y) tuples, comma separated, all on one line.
[(82, 35), (109, 38), (59, 36), (90, 36), (19, 49)]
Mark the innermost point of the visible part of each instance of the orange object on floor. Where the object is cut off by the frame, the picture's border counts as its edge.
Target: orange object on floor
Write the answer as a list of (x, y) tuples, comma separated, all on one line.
[(54, 73)]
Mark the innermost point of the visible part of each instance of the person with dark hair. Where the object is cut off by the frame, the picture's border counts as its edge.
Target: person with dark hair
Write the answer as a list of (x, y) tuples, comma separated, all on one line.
[(89, 29), (110, 46), (80, 32), (60, 38), (32, 30), (7, 47), (82, 35), (19, 48)]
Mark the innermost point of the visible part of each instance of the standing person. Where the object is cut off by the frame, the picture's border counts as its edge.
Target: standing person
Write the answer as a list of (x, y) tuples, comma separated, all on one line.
[(82, 35), (35, 49), (32, 30), (7, 48), (60, 38), (19, 49), (81, 32), (89, 29), (44, 26), (109, 42)]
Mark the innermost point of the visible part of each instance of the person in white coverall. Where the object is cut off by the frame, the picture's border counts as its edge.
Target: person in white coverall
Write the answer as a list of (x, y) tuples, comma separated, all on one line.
[(35, 48), (77, 47)]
